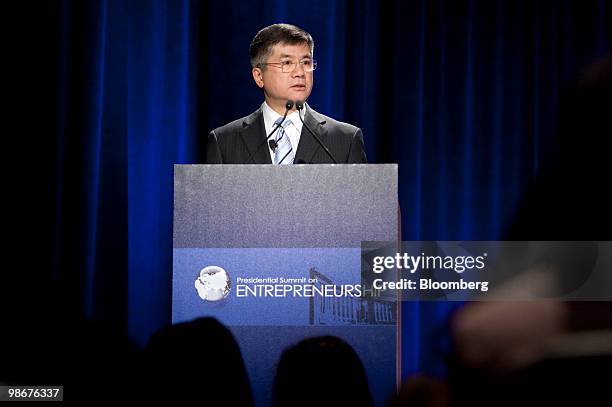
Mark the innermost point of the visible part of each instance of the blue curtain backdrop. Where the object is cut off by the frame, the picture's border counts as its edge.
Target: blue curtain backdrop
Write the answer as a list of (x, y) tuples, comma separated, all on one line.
[(462, 94)]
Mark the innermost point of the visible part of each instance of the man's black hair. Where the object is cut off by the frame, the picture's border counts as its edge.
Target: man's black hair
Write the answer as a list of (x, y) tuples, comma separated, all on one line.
[(268, 37)]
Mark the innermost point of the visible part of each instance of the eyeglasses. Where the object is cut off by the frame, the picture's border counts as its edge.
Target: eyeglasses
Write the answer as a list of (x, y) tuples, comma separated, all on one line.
[(287, 66)]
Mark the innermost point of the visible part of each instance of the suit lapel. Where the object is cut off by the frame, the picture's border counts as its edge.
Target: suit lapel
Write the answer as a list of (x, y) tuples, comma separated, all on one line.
[(253, 135), (308, 146)]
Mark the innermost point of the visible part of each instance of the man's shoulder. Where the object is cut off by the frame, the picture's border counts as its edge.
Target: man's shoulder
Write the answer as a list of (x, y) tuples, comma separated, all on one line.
[(343, 139), (235, 126), (332, 123)]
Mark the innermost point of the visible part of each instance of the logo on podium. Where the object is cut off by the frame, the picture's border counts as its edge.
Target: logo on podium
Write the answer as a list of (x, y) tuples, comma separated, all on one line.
[(213, 283)]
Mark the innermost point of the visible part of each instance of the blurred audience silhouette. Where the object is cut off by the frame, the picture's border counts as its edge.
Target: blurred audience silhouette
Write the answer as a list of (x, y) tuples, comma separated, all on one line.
[(551, 350), (321, 371), (422, 391), (197, 361)]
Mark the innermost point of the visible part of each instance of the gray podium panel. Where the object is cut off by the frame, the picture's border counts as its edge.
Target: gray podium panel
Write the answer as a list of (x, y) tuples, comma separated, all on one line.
[(255, 246), (284, 206)]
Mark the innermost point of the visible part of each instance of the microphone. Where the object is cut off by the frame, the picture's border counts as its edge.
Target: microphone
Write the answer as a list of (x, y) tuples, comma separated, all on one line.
[(300, 106), (273, 144), (288, 106)]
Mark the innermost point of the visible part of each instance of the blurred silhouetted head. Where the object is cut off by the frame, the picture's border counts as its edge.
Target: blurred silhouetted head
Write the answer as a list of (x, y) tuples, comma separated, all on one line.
[(422, 391), (199, 361), (321, 371)]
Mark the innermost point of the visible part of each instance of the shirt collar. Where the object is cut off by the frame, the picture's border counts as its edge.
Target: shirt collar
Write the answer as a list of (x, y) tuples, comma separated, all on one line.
[(270, 117)]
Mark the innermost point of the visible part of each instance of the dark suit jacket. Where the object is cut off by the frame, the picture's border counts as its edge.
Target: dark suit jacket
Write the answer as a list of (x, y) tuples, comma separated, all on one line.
[(243, 141)]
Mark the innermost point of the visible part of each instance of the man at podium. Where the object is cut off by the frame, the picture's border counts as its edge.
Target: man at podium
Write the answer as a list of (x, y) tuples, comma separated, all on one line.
[(285, 129)]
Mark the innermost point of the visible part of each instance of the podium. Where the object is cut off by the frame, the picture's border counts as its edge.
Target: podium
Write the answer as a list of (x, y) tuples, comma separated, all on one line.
[(255, 246)]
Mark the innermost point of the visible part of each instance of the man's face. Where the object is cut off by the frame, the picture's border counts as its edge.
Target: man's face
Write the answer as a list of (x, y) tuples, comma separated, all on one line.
[(281, 86)]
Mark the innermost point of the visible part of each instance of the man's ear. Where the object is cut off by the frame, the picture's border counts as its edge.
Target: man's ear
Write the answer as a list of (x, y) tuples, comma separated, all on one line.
[(258, 77)]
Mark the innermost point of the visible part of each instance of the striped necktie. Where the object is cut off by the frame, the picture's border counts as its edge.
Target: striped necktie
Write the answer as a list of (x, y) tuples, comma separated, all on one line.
[(283, 154)]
